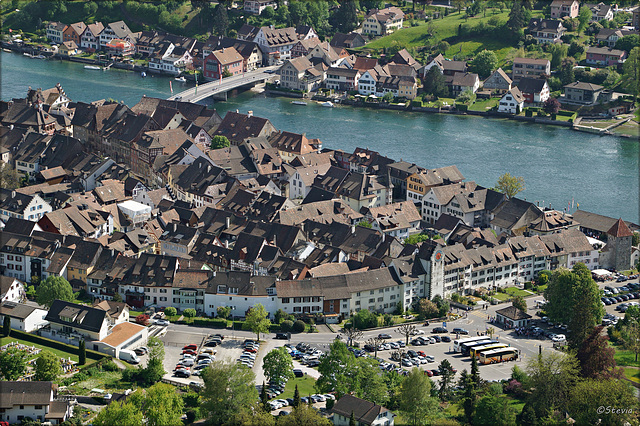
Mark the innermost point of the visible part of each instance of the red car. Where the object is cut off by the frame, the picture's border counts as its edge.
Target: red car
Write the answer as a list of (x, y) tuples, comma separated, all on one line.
[(421, 353), (251, 350), (428, 373), (189, 351), (191, 347)]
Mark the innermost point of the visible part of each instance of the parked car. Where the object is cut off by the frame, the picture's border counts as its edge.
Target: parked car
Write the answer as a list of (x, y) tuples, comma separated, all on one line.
[(191, 347), (459, 330), (162, 323), (559, 338), (439, 330), (298, 373), (446, 339), (283, 336), (182, 373), (384, 336)]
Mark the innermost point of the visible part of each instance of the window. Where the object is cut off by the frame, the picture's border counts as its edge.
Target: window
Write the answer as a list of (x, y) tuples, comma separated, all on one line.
[(297, 299), (285, 300)]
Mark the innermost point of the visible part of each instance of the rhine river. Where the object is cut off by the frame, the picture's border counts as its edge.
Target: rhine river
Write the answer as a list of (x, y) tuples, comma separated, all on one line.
[(559, 165)]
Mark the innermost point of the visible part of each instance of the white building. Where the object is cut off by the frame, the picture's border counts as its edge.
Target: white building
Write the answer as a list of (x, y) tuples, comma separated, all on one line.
[(257, 6), (35, 400), (23, 317), (301, 181), (11, 289), (22, 206), (240, 291), (137, 213), (125, 335), (511, 102)]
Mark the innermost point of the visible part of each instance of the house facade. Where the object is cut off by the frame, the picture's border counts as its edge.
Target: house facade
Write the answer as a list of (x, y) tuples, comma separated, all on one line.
[(256, 7), (546, 30), (55, 31), (221, 61), (605, 56), (582, 93), (562, 8), (382, 22), (512, 102), (525, 67), (21, 400)]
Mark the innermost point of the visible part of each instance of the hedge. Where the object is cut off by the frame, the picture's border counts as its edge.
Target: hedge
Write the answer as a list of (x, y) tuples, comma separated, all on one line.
[(55, 344), (240, 325), (210, 322)]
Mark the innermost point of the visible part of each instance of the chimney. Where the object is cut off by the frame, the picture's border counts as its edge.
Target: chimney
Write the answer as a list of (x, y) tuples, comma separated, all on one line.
[(13, 194), (175, 227), (226, 244), (249, 113), (353, 229)]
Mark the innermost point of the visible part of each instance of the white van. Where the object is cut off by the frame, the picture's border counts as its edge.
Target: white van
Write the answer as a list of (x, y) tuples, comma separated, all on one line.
[(129, 356)]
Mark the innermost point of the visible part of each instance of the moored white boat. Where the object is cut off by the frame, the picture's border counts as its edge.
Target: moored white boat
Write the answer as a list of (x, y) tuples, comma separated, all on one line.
[(327, 104), (92, 67), (299, 103), (181, 78)]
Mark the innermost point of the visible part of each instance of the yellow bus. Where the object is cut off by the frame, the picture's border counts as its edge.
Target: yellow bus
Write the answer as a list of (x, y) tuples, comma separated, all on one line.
[(499, 355), (476, 351)]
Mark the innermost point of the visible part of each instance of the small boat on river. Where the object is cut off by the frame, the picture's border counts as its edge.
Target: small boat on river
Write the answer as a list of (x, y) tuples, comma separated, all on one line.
[(327, 104), (92, 67), (143, 74), (181, 79), (299, 103)]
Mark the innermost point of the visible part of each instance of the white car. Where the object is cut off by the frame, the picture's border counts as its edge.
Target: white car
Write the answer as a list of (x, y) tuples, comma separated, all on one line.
[(417, 332), (559, 338)]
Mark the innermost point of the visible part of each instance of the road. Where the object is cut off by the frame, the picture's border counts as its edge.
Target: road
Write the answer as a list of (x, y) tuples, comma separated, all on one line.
[(203, 91)]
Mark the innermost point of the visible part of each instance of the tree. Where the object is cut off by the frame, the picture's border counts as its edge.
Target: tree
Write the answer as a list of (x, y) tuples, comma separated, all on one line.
[(304, 415), (446, 378), (484, 63), (264, 398), (426, 308), (416, 402), (551, 106), (224, 312), (277, 365), (170, 311), (220, 19), (553, 375), (219, 141), (469, 395), (519, 303), (364, 319), (467, 97), (48, 367), (375, 341), (565, 72), (226, 391), (117, 297), (82, 353), (494, 410), (584, 16), (441, 47), (9, 177), (296, 398), (575, 50), (510, 185), (118, 413), (282, 14), (630, 71), (298, 326), (631, 335), (434, 83), (156, 348), (407, 330), (338, 371), (596, 357), (6, 326), (628, 42), (388, 97), (257, 320), (13, 363), (54, 287), (142, 319), (345, 18), (558, 53), (371, 385), (442, 304), (610, 393), (162, 405), (516, 18), (475, 373), (189, 313)]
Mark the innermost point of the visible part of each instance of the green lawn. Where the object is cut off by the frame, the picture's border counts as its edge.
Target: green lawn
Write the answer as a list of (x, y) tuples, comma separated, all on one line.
[(484, 105), (625, 358), (632, 374), (305, 387), (514, 291), (61, 354), (501, 296), (106, 380), (472, 46), (440, 102), (542, 288)]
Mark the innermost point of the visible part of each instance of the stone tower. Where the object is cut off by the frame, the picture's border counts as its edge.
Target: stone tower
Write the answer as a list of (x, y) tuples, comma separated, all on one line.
[(618, 248)]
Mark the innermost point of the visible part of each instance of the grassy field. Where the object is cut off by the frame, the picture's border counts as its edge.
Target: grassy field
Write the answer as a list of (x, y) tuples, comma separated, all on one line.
[(440, 102), (106, 380), (625, 358), (305, 387), (630, 128), (61, 354), (484, 105), (514, 291), (632, 374)]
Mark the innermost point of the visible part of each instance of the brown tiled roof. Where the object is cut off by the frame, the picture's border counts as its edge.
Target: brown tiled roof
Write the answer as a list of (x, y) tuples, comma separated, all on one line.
[(364, 412), (227, 56), (620, 229), (121, 333)]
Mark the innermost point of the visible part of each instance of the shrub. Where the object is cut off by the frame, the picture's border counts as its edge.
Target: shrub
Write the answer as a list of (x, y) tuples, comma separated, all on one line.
[(189, 313), (191, 416), (298, 326), (170, 311), (286, 325), (80, 377), (110, 366)]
